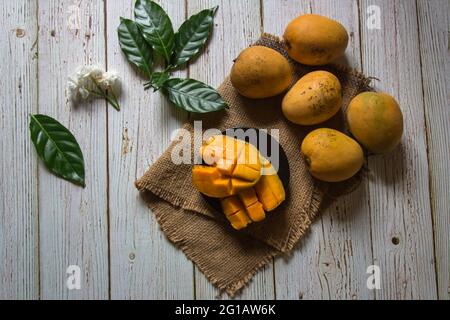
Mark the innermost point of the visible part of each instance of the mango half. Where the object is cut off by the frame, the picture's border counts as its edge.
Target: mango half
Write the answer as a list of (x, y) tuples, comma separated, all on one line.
[(231, 166)]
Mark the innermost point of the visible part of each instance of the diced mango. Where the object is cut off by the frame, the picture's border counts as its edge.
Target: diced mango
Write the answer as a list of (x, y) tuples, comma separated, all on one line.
[(256, 212), (209, 181), (239, 220), (231, 205), (248, 197), (270, 190), (246, 183), (236, 167)]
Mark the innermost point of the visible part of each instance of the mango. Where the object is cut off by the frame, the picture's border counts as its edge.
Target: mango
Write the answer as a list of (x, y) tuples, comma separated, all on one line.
[(315, 98), (235, 212), (261, 72), (251, 205), (331, 156), (376, 121), (269, 188), (315, 40), (231, 166)]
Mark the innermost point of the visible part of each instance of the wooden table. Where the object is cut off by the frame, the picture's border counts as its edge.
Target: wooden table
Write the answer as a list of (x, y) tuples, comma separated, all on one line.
[(398, 219)]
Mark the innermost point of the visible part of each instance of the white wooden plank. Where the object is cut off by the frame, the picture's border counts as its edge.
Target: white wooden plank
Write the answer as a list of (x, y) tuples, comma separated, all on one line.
[(73, 221), (331, 262), (19, 253), (434, 27), (399, 194), (144, 265), (236, 27)]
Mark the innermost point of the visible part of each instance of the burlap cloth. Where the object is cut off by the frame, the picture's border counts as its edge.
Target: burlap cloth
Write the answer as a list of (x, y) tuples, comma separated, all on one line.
[(227, 257)]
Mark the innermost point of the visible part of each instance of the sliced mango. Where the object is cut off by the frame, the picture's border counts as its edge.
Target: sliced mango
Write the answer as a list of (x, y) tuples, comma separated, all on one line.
[(253, 207), (235, 212), (269, 189), (232, 166), (246, 183), (239, 220)]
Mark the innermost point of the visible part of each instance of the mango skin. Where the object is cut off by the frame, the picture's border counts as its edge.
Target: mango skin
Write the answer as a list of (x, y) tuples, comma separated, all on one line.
[(332, 156), (315, 98), (376, 121), (260, 72), (315, 40)]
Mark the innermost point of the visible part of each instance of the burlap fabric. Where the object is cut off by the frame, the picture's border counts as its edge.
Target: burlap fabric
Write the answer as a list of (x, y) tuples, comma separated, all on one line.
[(227, 257)]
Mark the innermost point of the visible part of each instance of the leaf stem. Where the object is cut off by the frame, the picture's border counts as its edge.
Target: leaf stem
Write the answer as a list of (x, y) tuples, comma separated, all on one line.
[(111, 98)]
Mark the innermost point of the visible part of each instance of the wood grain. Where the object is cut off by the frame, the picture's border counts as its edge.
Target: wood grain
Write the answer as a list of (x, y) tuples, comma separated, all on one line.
[(144, 265), (47, 224), (73, 220), (434, 31), (19, 237), (338, 246), (398, 187), (236, 27)]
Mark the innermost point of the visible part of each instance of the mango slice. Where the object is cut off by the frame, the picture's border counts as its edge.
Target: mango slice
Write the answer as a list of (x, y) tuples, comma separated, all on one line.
[(234, 210), (232, 166), (269, 189), (251, 205), (246, 183)]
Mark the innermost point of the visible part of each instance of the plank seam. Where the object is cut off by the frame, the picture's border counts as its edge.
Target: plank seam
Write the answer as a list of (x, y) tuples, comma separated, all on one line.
[(427, 140), (360, 23), (261, 22), (108, 220), (37, 160)]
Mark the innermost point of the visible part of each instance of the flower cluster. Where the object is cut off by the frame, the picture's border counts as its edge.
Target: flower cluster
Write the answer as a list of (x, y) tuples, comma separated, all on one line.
[(92, 81)]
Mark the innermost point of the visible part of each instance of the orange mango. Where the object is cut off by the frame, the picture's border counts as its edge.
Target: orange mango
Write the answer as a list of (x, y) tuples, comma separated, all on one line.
[(251, 205), (269, 189), (231, 166)]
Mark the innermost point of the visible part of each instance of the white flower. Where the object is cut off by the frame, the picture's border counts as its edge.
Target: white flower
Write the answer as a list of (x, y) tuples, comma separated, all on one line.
[(91, 81), (110, 81)]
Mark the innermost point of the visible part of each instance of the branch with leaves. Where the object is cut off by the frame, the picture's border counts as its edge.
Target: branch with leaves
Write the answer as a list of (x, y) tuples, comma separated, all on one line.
[(151, 34)]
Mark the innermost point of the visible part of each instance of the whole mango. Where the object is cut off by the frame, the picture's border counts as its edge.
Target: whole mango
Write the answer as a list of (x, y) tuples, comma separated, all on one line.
[(376, 121), (315, 98), (261, 72), (315, 40), (331, 156)]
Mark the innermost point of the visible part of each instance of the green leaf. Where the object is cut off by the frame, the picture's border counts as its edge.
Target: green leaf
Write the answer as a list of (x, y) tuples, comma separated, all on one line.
[(156, 27), (58, 148), (193, 96), (157, 81), (192, 36), (134, 46)]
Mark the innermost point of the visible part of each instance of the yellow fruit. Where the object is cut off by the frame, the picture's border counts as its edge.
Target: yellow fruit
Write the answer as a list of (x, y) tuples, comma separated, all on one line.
[(315, 40), (261, 72), (251, 205), (232, 166), (269, 188), (376, 121), (235, 212), (315, 98), (332, 156)]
